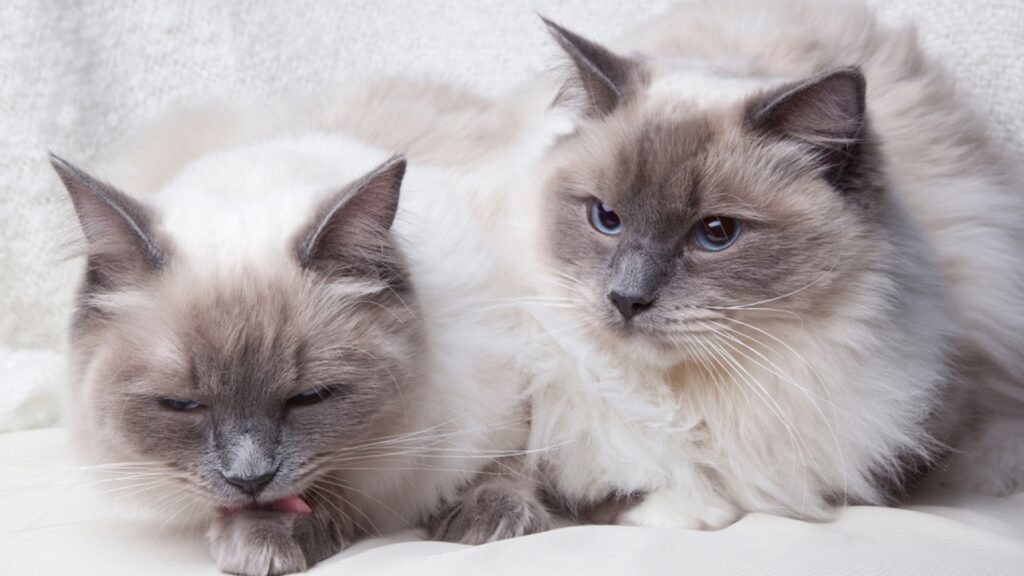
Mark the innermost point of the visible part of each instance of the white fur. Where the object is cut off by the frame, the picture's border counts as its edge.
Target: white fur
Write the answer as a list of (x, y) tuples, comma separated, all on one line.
[(838, 400), (240, 208)]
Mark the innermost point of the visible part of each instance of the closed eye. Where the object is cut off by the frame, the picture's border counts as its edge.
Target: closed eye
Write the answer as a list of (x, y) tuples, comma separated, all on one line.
[(180, 405), (312, 396)]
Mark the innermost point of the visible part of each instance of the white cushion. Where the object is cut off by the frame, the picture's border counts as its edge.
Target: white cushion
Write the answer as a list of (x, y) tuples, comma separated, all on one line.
[(56, 522)]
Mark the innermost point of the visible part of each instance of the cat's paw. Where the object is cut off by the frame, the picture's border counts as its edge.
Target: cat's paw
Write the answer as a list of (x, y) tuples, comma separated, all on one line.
[(990, 460), (489, 512), (256, 543), (670, 510)]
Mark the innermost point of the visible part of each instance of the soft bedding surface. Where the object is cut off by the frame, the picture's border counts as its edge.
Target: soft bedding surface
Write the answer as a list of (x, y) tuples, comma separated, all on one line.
[(53, 523), (75, 76)]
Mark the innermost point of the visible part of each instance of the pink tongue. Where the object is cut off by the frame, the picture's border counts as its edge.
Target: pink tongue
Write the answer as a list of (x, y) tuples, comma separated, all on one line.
[(291, 504)]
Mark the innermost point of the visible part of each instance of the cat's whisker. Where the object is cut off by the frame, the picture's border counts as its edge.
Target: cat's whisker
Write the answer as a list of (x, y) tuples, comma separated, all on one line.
[(90, 482), (738, 347), (552, 270), (421, 435), (532, 299), (403, 437), (394, 380), (821, 386), (338, 483), (713, 374), (184, 502), (381, 306), (581, 325), (732, 334), (112, 466), (778, 311), (441, 453), (130, 490), (810, 367), (420, 453), (376, 530), (412, 469), (742, 375), (521, 305), (321, 497), (101, 482), (823, 275)]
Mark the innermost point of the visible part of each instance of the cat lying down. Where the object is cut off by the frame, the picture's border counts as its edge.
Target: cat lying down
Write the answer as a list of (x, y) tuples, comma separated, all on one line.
[(776, 266), (277, 337)]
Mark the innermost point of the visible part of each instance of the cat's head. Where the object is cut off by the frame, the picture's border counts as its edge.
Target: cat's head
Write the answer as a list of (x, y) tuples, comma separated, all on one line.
[(672, 219), (241, 380)]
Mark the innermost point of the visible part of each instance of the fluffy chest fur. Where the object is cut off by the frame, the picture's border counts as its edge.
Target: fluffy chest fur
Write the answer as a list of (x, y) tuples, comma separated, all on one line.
[(756, 376), (773, 421)]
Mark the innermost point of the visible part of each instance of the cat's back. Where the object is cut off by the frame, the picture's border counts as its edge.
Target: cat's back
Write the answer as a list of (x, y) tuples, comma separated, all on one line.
[(248, 204)]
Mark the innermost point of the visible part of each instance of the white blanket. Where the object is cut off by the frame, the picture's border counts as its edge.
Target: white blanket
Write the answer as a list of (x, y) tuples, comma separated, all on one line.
[(54, 524)]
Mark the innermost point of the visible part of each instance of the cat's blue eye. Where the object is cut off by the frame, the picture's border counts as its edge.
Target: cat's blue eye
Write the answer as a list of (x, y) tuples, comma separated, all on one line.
[(604, 219), (312, 396), (716, 233), (180, 405)]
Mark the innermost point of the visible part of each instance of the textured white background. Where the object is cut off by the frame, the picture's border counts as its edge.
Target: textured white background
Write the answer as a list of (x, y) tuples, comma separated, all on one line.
[(75, 75)]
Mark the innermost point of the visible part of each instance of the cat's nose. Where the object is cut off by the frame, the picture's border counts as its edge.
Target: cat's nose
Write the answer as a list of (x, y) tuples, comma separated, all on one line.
[(630, 305), (251, 484)]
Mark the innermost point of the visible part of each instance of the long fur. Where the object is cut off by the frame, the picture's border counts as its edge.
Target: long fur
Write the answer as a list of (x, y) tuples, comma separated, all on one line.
[(231, 205), (792, 417)]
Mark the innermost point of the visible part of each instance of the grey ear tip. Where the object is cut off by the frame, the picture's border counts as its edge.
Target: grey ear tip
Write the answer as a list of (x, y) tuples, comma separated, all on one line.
[(555, 29), (56, 161), (398, 162), (853, 73)]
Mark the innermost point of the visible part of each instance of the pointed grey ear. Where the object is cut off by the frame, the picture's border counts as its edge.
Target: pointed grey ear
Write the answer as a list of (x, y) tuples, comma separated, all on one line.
[(350, 236), (119, 230), (603, 80), (826, 111)]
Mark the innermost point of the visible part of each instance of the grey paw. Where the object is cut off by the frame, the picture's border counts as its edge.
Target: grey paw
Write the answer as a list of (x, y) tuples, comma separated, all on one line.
[(491, 512), (256, 543)]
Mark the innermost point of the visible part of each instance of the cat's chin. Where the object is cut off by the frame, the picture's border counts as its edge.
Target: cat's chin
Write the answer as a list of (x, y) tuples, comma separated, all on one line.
[(292, 504), (636, 347)]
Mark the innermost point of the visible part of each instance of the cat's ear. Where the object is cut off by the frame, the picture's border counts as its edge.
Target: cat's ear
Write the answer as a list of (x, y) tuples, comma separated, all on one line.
[(121, 244), (601, 80), (826, 111), (350, 235)]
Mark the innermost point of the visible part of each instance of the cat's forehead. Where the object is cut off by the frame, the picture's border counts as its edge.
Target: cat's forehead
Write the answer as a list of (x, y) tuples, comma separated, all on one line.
[(655, 159), (206, 332), (272, 331), (670, 162)]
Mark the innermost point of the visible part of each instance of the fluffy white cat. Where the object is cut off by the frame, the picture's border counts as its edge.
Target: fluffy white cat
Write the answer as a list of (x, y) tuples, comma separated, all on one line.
[(772, 264)]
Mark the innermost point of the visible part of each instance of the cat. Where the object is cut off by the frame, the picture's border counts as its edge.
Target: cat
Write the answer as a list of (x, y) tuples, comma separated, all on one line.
[(276, 339), (771, 263)]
